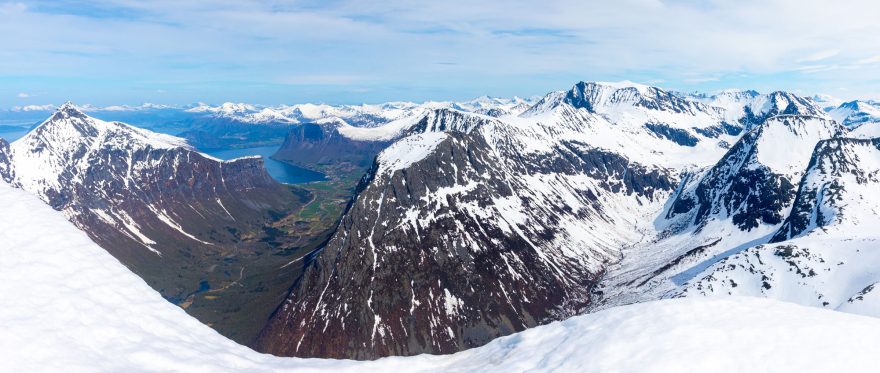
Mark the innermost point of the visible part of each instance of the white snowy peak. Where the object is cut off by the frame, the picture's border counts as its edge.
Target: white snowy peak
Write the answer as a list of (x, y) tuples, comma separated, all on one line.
[(365, 115), (606, 97), (65, 143), (854, 114), (838, 192)]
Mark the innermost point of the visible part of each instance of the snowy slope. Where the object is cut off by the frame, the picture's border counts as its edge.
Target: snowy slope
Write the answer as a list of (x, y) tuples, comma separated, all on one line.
[(825, 253), (854, 114), (749, 108), (646, 124), (739, 202), (84, 311)]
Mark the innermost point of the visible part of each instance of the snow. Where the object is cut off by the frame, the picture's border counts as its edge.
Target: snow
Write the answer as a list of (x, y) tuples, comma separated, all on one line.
[(69, 306), (855, 113), (409, 150), (799, 134), (69, 132), (642, 88), (385, 132)]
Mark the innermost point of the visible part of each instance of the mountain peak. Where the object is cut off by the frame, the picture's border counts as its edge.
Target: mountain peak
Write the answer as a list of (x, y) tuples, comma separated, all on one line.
[(68, 110), (68, 106)]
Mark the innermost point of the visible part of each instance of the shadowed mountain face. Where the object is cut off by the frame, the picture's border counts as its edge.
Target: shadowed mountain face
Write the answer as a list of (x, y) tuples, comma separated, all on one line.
[(322, 147), (5, 167), (195, 228), (458, 237), (755, 182)]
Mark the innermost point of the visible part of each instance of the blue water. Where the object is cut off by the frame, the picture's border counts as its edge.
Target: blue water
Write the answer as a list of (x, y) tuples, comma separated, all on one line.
[(283, 172), (12, 133)]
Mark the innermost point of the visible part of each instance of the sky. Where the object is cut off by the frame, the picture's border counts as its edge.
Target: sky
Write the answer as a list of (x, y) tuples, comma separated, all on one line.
[(271, 52)]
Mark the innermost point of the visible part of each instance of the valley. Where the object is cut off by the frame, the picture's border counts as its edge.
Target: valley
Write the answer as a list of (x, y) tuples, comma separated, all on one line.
[(397, 229)]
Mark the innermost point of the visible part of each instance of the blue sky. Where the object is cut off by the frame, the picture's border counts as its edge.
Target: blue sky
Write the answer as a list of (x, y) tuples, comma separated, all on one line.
[(272, 52)]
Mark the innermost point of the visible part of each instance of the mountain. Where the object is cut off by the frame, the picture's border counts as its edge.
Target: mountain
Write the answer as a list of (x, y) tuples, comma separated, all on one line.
[(190, 225), (365, 115), (340, 150), (220, 132), (748, 108), (246, 125), (862, 117), (827, 102), (105, 317), (473, 227), (754, 183), (556, 205), (720, 210), (836, 193), (824, 254), (646, 124), (330, 146)]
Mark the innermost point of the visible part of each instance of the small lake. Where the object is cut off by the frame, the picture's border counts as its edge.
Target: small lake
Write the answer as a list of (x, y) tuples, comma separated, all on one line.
[(283, 172)]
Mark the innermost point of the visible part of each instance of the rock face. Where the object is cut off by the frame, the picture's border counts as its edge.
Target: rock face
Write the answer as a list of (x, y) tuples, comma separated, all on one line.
[(754, 183), (313, 145), (837, 190), (824, 255), (5, 166), (463, 235)]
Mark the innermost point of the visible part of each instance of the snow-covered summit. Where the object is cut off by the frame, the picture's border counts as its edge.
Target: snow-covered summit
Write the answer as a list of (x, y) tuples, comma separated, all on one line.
[(68, 140), (854, 114)]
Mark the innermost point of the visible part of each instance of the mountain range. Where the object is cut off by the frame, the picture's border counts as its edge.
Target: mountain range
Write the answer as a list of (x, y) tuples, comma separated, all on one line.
[(471, 221)]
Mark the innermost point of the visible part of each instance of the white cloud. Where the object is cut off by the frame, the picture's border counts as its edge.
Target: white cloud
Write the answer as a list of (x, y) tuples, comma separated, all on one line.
[(23, 95), (397, 43), (869, 60), (819, 56)]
